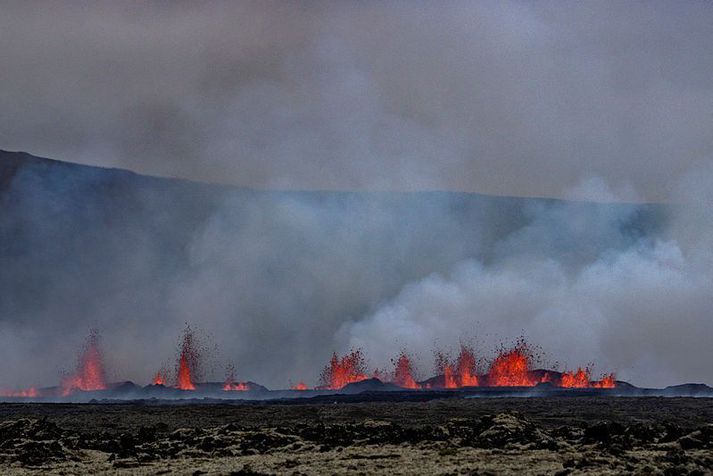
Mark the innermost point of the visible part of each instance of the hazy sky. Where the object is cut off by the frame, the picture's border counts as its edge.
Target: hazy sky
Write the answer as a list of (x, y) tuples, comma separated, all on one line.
[(520, 98), (608, 101)]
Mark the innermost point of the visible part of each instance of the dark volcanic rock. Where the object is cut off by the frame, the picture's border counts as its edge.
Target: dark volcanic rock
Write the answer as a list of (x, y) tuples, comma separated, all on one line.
[(368, 435), (370, 385), (689, 390), (31, 442), (509, 429), (603, 432), (701, 438)]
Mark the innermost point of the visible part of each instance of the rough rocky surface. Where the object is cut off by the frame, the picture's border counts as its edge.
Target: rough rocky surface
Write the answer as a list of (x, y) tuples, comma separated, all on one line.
[(484, 436)]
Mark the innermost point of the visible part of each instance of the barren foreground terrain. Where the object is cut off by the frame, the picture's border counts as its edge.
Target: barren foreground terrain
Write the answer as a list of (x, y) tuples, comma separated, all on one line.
[(577, 435)]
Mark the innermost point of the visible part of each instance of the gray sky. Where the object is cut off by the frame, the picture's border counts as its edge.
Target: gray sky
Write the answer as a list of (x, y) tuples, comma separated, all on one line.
[(607, 101), (510, 98)]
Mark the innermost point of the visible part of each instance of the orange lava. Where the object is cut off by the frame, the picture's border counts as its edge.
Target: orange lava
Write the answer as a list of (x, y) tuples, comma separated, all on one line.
[(343, 371), (26, 393), (236, 387), (466, 368), (444, 366), (187, 362), (608, 381), (512, 369), (184, 380), (578, 379), (461, 373), (403, 372), (231, 385), (300, 386), (160, 378), (90, 374)]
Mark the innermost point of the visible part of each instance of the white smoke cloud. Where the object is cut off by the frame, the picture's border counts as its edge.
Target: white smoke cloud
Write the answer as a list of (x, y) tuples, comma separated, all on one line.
[(643, 312)]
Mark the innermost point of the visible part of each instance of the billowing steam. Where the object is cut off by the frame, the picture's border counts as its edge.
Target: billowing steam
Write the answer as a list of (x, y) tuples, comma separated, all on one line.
[(281, 281), (641, 309), (356, 97)]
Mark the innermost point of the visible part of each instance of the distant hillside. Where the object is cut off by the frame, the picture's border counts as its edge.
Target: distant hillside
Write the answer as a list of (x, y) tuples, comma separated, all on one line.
[(83, 246)]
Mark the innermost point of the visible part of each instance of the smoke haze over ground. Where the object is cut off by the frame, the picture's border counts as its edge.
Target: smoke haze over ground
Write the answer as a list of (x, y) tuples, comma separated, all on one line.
[(277, 281), (602, 102)]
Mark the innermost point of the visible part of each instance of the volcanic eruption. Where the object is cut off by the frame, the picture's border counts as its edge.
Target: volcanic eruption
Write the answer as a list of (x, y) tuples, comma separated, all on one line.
[(188, 362), (89, 374), (459, 373), (230, 385), (160, 378), (511, 367), (403, 372), (345, 370)]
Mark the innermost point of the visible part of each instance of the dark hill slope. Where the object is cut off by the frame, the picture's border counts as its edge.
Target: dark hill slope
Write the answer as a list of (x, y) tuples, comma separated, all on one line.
[(83, 246)]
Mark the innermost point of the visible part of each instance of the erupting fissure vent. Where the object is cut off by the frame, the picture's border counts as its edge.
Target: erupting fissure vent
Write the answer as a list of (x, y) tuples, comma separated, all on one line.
[(161, 378), (342, 371), (608, 381), (188, 361), (230, 385), (26, 393), (403, 372), (89, 374), (511, 368), (579, 379)]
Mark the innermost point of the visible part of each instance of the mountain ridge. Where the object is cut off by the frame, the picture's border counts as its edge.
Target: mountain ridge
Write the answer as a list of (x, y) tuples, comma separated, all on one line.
[(138, 257), (11, 161)]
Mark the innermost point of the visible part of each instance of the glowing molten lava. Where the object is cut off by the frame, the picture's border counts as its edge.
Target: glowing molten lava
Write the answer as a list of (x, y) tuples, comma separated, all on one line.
[(340, 372), (235, 387), (160, 378), (466, 371), (512, 369), (578, 379), (231, 385), (26, 393), (462, 372), (90, 369), (184, 380), (608, 381), (300, 386), (449, 381), (403, 372), (187, 362), (444, 367)]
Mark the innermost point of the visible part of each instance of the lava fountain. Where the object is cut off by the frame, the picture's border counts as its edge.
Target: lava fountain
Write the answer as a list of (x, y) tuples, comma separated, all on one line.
[(466, 368), (462, 372), (342, 371), (579, 379), (608, 381), (403, 372), (230, 385), (89, 374), (511, 368), (188, 362), (160, 378), (445, 367)]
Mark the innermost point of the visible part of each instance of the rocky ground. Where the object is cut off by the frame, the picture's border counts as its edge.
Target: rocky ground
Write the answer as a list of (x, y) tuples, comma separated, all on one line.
[(592, 435)]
